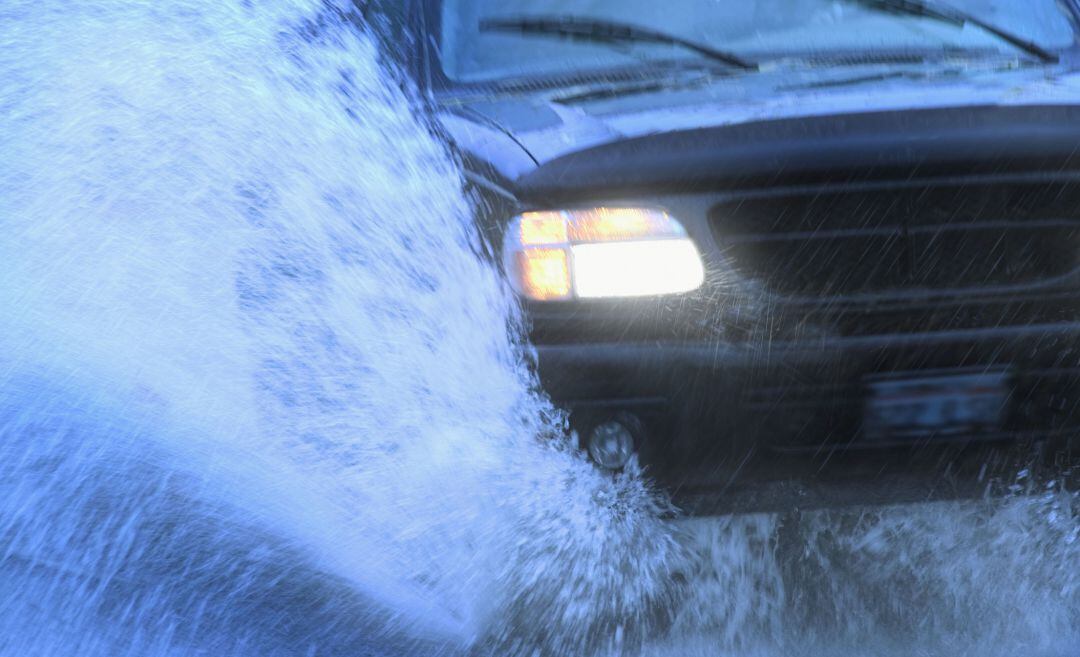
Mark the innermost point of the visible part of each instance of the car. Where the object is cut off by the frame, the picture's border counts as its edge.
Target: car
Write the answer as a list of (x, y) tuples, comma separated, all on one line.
[(780, 248)]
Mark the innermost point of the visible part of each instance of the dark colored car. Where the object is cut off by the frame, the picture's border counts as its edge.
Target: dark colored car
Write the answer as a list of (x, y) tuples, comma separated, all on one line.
[(782, 247)]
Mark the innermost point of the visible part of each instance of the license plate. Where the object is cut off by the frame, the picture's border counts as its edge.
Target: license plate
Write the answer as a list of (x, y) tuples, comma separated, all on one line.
[(947, 404)]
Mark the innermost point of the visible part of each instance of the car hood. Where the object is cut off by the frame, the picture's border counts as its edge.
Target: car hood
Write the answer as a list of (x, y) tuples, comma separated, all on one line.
[(517, 133)]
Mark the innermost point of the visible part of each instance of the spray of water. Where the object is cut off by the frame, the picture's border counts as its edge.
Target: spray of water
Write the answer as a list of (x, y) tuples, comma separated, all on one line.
[(259, 393), (259, 396), (987, 577)]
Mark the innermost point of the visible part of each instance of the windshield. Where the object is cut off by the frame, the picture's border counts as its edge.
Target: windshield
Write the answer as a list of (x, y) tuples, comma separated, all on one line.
[(752, 28)]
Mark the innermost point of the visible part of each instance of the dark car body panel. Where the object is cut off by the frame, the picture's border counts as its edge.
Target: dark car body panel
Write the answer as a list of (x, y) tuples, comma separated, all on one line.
[(817, 149)]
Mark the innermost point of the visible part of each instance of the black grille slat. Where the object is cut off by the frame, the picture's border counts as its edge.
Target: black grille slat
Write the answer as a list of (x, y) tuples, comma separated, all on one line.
[(959, 236)]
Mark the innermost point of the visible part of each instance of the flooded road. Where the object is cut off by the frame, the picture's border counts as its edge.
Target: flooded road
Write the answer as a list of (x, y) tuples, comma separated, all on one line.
[(260, 395)]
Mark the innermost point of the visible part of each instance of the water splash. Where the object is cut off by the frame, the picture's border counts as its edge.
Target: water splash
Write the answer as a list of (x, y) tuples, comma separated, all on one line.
[(987, 577), (260, 393)]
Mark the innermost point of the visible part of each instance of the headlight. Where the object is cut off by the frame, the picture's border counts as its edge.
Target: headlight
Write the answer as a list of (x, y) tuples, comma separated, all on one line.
[(600, 252)]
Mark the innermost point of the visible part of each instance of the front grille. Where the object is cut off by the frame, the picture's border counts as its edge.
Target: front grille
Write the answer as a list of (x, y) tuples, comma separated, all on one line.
[(1051, 309), (842, 243)]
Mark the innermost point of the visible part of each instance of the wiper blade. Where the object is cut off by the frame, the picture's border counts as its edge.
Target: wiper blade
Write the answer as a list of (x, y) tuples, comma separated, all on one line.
[(958, 18), (590, 29)]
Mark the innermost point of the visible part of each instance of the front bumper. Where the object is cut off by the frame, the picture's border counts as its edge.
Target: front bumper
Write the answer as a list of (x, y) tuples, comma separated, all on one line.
[(722, 413)]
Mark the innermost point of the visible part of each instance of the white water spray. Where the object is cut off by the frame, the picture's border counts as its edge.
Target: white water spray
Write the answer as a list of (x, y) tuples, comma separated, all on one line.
[(253, 368)]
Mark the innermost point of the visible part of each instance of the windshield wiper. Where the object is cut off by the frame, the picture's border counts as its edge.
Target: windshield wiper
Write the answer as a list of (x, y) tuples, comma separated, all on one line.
[(590, 29), (958, 18)]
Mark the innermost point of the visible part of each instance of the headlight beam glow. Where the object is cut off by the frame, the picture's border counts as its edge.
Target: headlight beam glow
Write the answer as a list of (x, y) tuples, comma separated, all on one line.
[(600, 253)]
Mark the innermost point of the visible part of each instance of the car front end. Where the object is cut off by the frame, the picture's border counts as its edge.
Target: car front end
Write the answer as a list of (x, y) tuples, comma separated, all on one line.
[(801, 257), (900, 291)]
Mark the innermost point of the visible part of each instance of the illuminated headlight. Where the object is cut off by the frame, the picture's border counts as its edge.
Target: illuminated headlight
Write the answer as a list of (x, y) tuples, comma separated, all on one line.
[(600, 252)]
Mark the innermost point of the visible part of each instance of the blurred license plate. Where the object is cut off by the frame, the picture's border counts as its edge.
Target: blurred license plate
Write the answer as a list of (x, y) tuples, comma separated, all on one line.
[(935, 405)]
